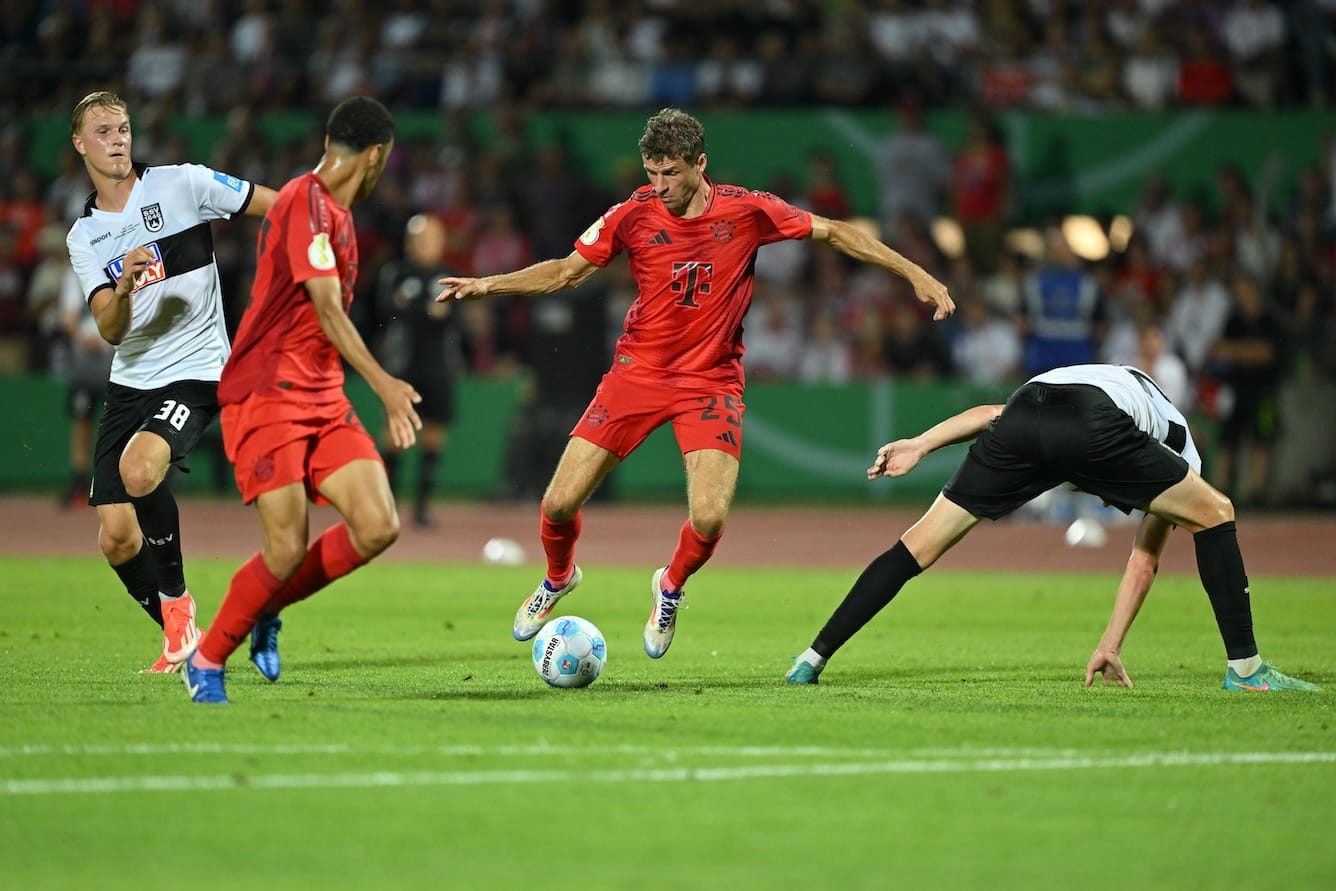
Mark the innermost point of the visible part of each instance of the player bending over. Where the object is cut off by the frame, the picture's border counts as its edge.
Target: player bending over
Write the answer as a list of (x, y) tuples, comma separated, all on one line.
[(1108, 430)]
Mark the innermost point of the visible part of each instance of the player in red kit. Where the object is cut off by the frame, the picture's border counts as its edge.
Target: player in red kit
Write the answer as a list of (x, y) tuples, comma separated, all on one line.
[(692, 248), (288, 427)]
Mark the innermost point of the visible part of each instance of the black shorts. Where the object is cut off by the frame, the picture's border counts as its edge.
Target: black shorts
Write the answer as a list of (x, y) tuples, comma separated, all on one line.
[(178, 412), (437, 389), (1050, 434)]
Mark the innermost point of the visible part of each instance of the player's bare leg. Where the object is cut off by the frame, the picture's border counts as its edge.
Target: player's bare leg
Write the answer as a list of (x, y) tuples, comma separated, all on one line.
[(1208, 514), (360, 491), (938, 531), (1193, 504), (712, 480), (583, 466)]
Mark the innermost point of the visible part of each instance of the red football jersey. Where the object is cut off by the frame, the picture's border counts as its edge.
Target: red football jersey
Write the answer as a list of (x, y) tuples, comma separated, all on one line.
[(280, 346), (694, 277)]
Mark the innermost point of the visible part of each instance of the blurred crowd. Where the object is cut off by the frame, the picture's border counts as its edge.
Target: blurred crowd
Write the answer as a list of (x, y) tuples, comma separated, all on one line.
[(1057, 55), (1222, 295)]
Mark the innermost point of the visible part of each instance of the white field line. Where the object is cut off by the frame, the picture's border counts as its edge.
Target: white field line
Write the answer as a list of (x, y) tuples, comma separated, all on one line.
[(410, 779), (533, 749)]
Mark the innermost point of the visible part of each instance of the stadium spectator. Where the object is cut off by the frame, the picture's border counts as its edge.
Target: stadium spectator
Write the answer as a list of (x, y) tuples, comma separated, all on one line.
[(289, 429), (692, 246), (1200, 309), (981, 189), (913, 169), (1108, 430), (142, 252), (1203, 79), (46, 335), (1150, 73), (87, 366), (1062, 309), (986, 348), (13, 290), (1254, 33), (825, 357), (774, 335)]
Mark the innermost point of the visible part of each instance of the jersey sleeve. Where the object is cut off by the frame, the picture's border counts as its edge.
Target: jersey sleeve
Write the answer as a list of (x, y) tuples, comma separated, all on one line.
[(308, 232), (220, 196), (603, 239), (92, 276), (777, 220)]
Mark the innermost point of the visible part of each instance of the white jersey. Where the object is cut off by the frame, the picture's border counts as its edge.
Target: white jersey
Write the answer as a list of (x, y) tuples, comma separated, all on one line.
[(1137, 394), (177, 331)]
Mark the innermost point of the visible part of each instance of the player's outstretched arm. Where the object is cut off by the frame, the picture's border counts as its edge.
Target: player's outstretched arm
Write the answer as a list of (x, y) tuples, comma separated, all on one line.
[(899, 457), (1152, 535), (540, 278), (398, 396), (855, 242)]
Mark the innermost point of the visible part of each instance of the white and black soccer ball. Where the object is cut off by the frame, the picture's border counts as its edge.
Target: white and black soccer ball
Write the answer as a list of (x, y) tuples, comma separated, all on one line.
[(569, 652)]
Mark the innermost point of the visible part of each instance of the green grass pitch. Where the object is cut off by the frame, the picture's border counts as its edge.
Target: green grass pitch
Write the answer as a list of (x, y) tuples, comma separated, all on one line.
[(409, 743)]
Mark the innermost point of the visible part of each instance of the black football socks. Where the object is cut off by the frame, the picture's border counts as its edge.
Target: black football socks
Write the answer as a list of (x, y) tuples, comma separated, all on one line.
[(160, 521), (1220, 565), (877, 586), (140, 578)]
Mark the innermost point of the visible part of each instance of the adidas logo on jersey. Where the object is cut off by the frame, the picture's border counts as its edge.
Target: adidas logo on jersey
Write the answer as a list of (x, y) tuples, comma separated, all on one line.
[(728, 437), (661, 238)]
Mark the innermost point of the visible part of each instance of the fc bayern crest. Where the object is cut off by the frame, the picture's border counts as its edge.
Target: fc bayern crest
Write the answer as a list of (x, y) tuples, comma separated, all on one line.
[(152, 217)]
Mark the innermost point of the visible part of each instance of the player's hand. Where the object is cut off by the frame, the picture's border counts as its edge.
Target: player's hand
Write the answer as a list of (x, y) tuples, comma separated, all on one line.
[(134, 264), (399, 397), (455, 288), (896, 459), (1109, 666), (930, 290)]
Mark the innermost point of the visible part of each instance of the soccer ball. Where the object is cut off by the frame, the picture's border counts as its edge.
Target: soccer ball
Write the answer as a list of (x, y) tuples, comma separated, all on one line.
[(569, 652)]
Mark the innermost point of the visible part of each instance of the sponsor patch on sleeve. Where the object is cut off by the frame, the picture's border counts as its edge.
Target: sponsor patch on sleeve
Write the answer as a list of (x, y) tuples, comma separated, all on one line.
[(591, 234), (228, 180), (320, 253)]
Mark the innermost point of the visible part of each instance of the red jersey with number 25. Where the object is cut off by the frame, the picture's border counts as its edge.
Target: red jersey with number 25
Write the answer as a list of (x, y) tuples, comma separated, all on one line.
[(694, 276), (280, 348)]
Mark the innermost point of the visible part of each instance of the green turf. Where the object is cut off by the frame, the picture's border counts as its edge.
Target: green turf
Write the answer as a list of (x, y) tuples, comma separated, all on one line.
[(410, 745)]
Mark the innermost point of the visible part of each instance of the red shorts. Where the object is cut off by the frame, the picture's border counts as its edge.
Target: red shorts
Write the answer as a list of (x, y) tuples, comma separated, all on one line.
[(629, 406), (273, 443)]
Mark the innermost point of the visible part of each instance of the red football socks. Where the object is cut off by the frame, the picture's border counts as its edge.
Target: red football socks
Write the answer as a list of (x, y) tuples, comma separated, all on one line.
[(255, 590), (693, 550), (330, 557), (251, 588), (559, 545)]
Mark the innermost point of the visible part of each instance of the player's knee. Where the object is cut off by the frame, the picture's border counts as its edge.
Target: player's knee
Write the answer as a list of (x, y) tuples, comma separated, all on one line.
[(374, 536), (118, 545), (559, 506), (139, 477), (709, 523), (1220, 510)]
